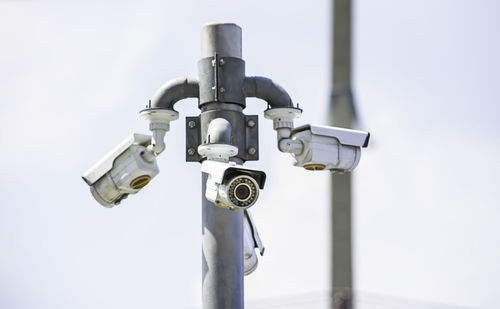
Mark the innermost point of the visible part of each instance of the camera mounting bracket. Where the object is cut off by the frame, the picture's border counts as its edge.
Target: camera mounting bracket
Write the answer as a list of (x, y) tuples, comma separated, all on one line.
[(248, 149)]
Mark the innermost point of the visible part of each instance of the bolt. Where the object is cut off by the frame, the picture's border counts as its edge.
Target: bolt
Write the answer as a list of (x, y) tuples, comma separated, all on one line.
[(191, 124), (221, 62), (222, 90), (191, 151), (252, 151), (251, 123)]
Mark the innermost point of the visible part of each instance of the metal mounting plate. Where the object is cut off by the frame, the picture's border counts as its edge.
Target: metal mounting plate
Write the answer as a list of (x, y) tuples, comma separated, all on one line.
[(194, 139)]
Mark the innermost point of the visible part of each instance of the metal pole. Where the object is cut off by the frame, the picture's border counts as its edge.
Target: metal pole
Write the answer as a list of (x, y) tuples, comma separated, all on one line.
[(222, 255), (222, 229), (342, 115)]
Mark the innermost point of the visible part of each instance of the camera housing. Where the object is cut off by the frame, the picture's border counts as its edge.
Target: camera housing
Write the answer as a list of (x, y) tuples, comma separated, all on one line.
[(231, 186), (123, 171), (328, 148)]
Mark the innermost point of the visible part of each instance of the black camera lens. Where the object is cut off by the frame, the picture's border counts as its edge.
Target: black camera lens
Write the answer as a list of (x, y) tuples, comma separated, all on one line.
[(242, 191)]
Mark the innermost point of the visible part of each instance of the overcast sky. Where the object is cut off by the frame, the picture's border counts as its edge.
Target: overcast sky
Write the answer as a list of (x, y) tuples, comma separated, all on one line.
[(426, 207)]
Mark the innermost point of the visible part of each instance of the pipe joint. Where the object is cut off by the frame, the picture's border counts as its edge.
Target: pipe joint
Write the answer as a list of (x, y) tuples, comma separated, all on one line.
[(291, 146), (266, 89), (173, 91)]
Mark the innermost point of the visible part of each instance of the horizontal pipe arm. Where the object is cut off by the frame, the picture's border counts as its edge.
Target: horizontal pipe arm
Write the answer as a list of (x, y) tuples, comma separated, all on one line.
[(266, 89), (173, 91)]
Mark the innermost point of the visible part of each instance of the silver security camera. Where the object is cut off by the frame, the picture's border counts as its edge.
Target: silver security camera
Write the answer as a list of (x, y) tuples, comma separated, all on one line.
[(123, 171), (328, 148), (317, 147), (231, 186)]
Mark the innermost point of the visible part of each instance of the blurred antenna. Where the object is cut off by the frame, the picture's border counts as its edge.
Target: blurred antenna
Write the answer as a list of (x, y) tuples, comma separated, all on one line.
[(342, 114)]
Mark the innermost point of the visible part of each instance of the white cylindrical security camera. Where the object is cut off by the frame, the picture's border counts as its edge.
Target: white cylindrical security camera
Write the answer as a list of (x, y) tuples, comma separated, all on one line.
[(328, 148), (123, 171)]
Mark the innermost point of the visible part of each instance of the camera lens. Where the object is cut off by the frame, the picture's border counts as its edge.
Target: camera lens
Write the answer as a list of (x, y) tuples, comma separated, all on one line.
[(243, 191)]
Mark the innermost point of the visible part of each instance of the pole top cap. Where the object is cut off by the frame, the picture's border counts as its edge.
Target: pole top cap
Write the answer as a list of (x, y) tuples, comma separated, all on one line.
[(223, 39)]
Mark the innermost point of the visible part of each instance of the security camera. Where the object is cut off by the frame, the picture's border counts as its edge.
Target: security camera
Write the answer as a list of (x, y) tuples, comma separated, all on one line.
[(317, 147), (123, 171), (231, 186), (327, 148)]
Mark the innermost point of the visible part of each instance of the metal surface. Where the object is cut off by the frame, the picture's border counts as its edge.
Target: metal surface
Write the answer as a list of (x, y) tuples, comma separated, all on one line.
[(250, 142), (222, 229), (344, 136), (237, 121), (222, 246), (220, 172), (193, 139), (341, 238), (106, 163), (223, 39), (266, 89), (129, 171), (218, 132), (221, 80), (325, 152), (173, 91), (251, 138), (341, 49), (342, 115)]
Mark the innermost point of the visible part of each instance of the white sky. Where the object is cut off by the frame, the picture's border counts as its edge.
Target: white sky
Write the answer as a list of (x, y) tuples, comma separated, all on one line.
[(74, 76)]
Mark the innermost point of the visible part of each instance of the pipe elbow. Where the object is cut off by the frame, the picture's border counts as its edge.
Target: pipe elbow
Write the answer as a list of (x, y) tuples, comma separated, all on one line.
[(219, 132), (175, 90), (266, 89), (158, 141), (291, 146)]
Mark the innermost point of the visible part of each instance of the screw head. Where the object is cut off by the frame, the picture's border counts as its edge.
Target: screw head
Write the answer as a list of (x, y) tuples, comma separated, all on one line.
[(191, 151), (191, 124), (221, 62), (252, 151), (251, 123), (222, 90)]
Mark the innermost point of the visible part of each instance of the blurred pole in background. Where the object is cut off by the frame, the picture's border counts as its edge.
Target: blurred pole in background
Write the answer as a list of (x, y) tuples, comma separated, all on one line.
[(341, 115)]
